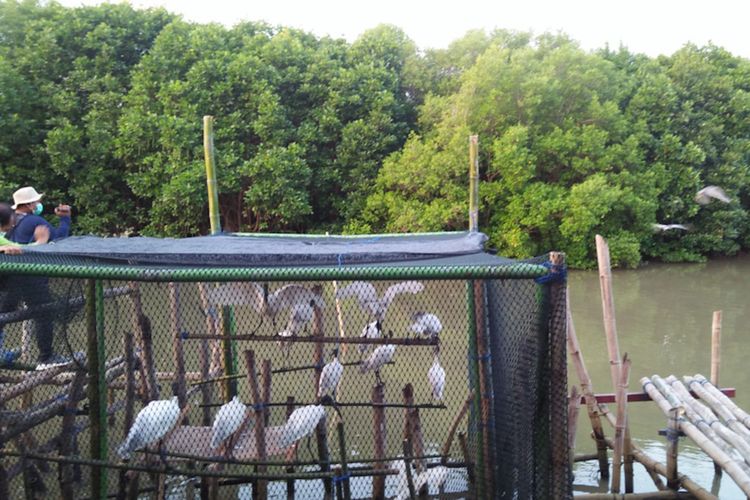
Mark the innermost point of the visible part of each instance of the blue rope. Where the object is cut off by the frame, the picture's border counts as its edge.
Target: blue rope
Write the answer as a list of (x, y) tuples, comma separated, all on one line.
[(184, 335), (260, 406), (483, 357), (556, 273), (343, 477)]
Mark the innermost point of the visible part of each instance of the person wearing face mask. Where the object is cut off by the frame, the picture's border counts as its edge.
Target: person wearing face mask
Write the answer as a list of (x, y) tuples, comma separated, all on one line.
[(28, 227)]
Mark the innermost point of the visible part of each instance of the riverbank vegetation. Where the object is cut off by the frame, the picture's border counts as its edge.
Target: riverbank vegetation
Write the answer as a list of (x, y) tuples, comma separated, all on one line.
[(101, 106)]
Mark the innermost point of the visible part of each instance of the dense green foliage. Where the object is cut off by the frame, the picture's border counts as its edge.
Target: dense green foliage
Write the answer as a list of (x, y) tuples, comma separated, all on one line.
[(102, 106)]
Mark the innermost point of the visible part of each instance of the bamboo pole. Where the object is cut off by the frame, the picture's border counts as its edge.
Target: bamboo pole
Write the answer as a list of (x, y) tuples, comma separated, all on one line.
[(718, 407), (469, 464), (67, 436), (321, 433), (228, 364), (174, 302), (260, 489), (446, 450), (96, 391), (474, 183), (211, 182), (574, 406), (608, 309), (620, 424), (347, 490), (407, 449), (314, 340), (700, 439), (379, 429), (673, 439), (130, 361), (715, 348), (142, 326), (587, 389), (290, 452), (205, 354), (30, 381), (738, 412), (483, 354)]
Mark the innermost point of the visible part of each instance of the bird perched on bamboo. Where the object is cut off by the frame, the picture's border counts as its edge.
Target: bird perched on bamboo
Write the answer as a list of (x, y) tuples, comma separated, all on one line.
[(299, 317), (368, 298), (379, 357), (265, 303), (426, 324), (660, 228), (228, 420), (303, 421), (330, 376), (372, 330), (709, 193), (151, 424), (436, 377)]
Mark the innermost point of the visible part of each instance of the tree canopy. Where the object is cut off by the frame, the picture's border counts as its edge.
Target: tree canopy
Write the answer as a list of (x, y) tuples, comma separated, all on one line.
[(102, 107)]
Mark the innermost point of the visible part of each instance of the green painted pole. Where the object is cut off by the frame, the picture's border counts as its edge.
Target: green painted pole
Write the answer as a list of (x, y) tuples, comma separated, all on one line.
[(211, 183), (97, 390), (476, 413), (474, 183)]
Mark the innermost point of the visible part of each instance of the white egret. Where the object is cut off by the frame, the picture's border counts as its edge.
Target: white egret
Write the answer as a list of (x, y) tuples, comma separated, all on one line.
[(426, 324), (436, 377), (303, 420), (668, 227), (330, 376), (705, 195), (379, 357), (302, 313), (228, 419), (151, 424), (433, 478), (368, 298)]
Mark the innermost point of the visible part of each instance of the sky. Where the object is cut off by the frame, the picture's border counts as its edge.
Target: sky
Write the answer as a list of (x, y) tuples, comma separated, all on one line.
[(652, 27)]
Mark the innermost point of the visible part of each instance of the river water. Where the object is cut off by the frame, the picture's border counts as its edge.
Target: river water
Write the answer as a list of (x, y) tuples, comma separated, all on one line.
[(664, 314)]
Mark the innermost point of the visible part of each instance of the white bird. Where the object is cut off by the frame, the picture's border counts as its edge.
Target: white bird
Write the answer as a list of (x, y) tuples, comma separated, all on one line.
[(300, 316), (705, 195), (228, 419), (151, 424), (436, 377), (667, 227), (301, 422), (379, 357), (368, 298), (433, 478), (371, 330), (330, 376), (426, 324), (266, 304)]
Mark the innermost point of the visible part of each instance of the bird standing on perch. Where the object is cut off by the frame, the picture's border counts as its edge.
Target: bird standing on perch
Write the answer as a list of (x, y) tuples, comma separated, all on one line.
[(151, 424), (302, 313), (371, 330), (368, 298), (303, 421), (436, 377), (330, 376), (228, 420), (379, 357), (426, 324)]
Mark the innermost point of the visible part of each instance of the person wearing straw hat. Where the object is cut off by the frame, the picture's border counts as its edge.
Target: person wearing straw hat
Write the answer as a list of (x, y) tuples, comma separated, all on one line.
[(28, 227)]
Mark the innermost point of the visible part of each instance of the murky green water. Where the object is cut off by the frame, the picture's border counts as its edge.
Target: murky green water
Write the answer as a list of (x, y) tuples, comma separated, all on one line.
[(664, 314)]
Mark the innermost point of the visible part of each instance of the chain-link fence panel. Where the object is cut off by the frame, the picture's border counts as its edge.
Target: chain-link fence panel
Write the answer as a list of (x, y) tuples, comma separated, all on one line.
[(129, 381)]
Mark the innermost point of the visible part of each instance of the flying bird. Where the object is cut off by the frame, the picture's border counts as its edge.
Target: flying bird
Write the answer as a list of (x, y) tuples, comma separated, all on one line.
[(268, 305), (436, 377), (379, 357), (151, 424), (228, 419), (705, 195), (330, 376), (368, 298), (426, 324), (660, 228)]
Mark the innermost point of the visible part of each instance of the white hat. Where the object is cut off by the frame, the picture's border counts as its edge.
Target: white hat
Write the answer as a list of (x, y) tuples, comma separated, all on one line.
[(25, 195)]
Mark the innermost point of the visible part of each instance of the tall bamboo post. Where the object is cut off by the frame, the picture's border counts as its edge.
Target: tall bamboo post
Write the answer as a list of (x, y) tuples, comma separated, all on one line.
[(673, 438), (413, 433), (608, 309), (483, 354), (128, 346), (205, 355), (67, 435), (379, 429), (474, 183), (260, 489), (290, 452), (588, 394), (211, 183), (574, 406), (716, 348), (142, 327), (174, 302), (621, 423), (406, 447), (97, 389), (321, 432), (344, 465)]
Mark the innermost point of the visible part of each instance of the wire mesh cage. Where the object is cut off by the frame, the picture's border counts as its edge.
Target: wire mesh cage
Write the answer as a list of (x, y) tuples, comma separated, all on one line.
[(374, 381)]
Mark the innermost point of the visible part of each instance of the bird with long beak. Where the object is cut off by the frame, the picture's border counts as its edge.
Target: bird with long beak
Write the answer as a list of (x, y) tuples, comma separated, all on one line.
[(379, 357), (151, 424), (436, 377), (228, 420), (330, 376), (303, 421)]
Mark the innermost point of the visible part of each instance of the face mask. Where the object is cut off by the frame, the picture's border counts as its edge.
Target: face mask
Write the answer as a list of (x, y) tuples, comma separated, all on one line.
[(38, 209)]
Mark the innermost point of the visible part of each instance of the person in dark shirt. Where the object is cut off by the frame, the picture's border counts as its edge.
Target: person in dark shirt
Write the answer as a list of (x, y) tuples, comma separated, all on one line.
[(28, 227)]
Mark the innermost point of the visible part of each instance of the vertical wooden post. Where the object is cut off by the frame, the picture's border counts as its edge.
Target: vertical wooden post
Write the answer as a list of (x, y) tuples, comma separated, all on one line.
[(574, 406), (379, 428), (230, 383), (478, 436), (128, 346), (260, 488), (474, 183), (290, 452), (588, 393), (469, 464), (344, 465), (321, 432), (716, 348), (67, 436), (406, 445), (483, 354), (174, 302), (608, 309), (673, 437), (205, 355), (142, 326), (414, 429), (211, 183), (620, 424), (97, 389)]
